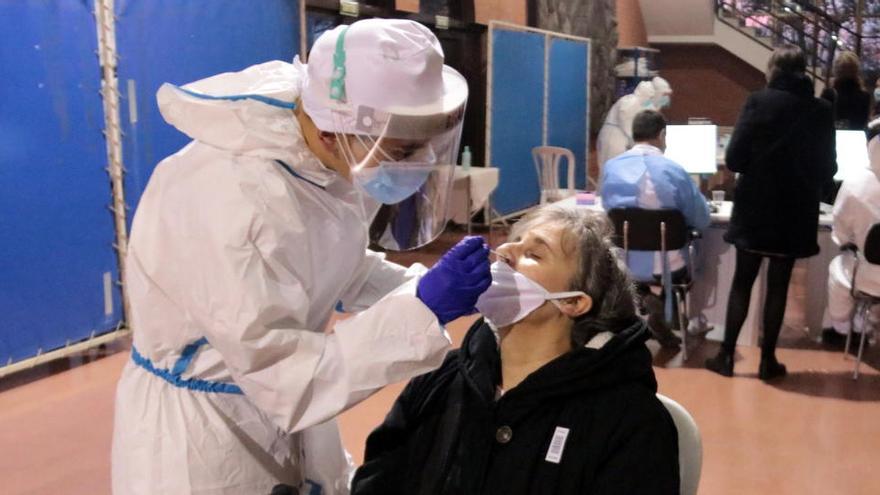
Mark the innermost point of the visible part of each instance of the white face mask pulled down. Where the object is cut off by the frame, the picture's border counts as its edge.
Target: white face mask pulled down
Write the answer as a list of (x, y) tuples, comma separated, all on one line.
[(513, 296)]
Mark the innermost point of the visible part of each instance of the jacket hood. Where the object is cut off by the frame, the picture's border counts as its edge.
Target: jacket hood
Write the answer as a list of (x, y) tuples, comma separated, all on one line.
[(874, 154), (623, 359), (248, 113), (799, 84)]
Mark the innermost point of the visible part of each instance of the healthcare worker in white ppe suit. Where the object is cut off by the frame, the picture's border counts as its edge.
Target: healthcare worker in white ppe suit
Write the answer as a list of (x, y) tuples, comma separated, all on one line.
[(856, 210), (247, 239), (615, 136)]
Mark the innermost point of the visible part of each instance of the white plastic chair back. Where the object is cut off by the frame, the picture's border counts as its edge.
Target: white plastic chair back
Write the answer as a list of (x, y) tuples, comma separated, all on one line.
[(690, 445), (547, 161)]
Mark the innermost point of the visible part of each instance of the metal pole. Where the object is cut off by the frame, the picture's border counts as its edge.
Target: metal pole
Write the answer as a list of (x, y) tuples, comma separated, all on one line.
[(106, 27), (66, 351), (303, 33), (860, 9)]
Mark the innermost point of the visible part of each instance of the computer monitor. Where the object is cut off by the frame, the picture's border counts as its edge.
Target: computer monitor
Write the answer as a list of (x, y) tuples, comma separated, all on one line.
[(694, 147), (852, 153)]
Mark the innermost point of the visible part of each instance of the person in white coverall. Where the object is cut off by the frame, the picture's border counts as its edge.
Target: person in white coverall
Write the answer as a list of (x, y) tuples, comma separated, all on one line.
[(662, 93), (615, 136), (247, 238), (856, 209)]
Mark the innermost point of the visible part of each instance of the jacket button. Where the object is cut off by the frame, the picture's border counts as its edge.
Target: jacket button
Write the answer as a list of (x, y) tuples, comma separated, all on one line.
[(503, 434)]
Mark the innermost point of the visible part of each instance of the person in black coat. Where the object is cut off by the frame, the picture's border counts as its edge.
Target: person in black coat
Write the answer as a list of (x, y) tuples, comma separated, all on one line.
[(849, 99), (558, 399), (783, 148)]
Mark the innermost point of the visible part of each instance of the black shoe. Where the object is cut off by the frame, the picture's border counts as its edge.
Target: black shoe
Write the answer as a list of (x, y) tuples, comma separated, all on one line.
[(770, 369), (722, 363), (668, 341)]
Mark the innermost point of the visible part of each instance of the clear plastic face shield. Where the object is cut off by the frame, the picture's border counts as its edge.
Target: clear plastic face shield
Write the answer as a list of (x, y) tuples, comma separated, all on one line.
[(407, 164), (404, 159)]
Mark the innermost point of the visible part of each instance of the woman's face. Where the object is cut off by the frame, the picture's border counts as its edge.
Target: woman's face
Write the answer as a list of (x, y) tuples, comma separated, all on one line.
[(539, 255)]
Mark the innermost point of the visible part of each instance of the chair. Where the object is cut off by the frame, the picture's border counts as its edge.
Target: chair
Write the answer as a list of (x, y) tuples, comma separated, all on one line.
[(864, 302), (658, 230), (690, 445), (547, 160)]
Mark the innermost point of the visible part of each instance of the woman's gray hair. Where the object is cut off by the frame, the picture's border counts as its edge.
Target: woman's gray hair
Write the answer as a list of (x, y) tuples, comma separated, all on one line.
[(600, 273)]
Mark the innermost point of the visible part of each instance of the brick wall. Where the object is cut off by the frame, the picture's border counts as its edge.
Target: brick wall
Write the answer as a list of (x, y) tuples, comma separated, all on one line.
[(707, 81)]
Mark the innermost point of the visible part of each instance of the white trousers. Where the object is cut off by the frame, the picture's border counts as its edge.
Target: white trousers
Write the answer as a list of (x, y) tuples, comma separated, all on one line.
[(840, 301)]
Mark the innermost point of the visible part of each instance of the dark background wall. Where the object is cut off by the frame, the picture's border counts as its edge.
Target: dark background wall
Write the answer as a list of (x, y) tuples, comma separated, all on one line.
[(707, 81)]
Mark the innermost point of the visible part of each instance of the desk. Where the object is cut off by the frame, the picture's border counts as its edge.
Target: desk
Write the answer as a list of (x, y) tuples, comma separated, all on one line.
[(713, 275), (471, 190)]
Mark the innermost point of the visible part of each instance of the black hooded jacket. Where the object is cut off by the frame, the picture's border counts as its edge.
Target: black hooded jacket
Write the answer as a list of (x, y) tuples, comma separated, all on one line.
[(783, 147), (446, 433)]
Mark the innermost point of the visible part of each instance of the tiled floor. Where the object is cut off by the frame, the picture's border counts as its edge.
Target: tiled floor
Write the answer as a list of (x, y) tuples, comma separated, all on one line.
[(815, 432)]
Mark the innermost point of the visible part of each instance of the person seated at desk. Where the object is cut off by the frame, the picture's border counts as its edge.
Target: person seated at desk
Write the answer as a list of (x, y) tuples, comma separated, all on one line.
[(551, 392), (857, 208), (643, 178)]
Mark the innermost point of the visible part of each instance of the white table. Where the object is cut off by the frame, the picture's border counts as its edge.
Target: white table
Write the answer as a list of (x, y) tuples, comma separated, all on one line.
[(471, 191), (713, 275), (714, 269)]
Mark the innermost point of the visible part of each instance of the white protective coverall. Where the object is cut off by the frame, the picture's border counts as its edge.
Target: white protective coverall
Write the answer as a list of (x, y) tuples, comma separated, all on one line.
[(856, 209), (615, 136), (662, 93), (242, 245)]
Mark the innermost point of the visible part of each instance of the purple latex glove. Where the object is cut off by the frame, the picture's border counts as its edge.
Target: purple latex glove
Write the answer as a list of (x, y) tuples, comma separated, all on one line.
[(451, 288)]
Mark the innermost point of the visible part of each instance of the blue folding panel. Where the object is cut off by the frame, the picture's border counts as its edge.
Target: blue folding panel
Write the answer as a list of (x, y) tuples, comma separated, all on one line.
[(179, 42), (567, 120), (57, 232), (517, 109)]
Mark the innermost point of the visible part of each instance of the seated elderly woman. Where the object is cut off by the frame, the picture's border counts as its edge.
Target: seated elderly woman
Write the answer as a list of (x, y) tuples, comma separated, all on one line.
[(551, 392)]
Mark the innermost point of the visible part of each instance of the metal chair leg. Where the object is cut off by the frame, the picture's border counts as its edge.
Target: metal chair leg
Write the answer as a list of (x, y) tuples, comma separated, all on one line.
[(682, 322), (852, 324), (865, 324)]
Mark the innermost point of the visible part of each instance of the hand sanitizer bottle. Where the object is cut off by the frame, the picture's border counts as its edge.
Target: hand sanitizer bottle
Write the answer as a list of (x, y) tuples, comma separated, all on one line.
[(466, 158)]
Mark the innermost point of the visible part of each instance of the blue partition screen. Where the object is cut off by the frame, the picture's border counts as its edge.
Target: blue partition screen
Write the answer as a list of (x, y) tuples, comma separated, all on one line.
[(521, 118), (56, 229), (567, 106), (516, 116), (179, 42)]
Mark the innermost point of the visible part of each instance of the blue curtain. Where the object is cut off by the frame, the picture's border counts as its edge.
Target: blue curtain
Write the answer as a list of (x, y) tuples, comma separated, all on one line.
[(518, 110), (56, 229), (179, 42)]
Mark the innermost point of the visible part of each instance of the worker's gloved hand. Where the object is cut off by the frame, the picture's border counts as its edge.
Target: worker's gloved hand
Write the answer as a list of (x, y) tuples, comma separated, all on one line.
[(451, 288)]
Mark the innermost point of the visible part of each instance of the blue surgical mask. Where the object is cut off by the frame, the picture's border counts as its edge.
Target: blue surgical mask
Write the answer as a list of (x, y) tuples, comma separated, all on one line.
[(393, 181), (876, 94), (390, 183), (663, 101)]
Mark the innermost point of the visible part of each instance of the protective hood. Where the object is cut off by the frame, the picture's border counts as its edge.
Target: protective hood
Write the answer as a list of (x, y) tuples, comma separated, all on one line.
[(644, 91), (661, 86), (248, 112), (361, 74), (874, 154)]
